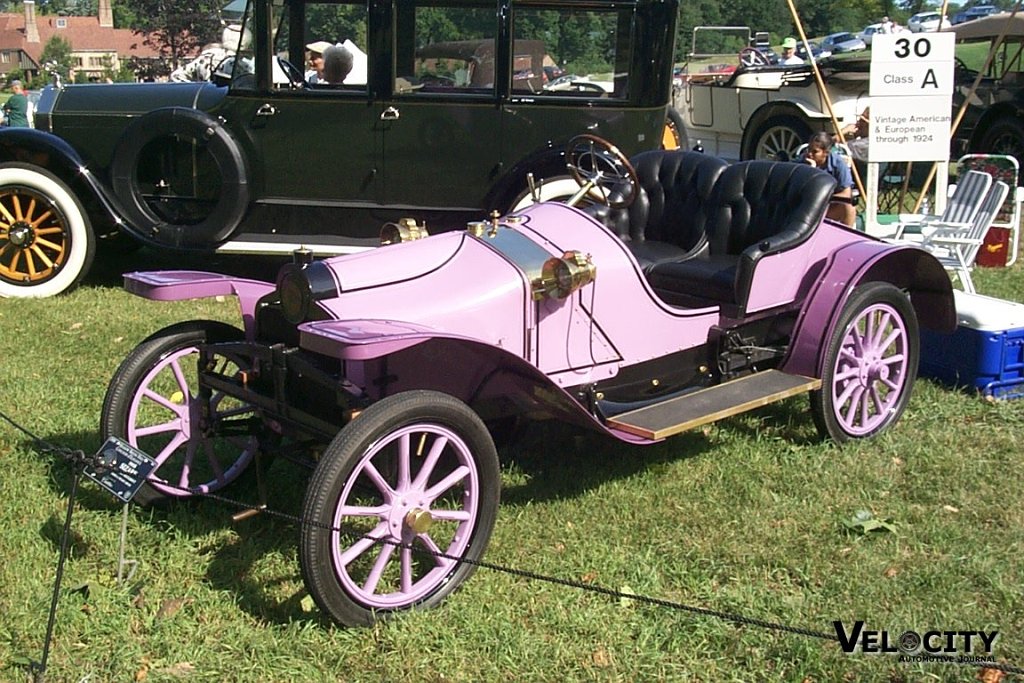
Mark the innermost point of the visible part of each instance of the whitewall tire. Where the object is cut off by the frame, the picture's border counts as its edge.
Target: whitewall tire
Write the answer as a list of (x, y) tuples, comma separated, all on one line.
[(46, 242)]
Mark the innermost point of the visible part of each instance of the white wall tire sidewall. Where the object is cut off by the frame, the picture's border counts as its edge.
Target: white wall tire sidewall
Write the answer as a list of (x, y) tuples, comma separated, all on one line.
[(82, 239), (560, 188)]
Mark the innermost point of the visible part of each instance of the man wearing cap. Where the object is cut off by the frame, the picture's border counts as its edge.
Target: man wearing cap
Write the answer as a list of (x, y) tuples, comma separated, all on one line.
[(316, 61), (789, 57), (16, 107)]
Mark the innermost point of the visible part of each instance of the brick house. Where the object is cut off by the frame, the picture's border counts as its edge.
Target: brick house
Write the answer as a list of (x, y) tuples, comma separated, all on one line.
[(95, 43)]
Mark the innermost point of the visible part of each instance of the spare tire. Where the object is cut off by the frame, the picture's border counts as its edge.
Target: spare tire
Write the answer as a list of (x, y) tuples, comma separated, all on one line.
[(181, 178)]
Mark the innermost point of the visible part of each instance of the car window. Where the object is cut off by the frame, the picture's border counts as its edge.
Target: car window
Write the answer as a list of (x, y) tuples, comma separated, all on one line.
[(597, 68), (341, 25), (445, 49)]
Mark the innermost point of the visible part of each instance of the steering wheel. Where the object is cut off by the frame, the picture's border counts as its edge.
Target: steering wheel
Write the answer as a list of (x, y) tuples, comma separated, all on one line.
[(296, 78), (601, 169), (962, 71), (751, 56)]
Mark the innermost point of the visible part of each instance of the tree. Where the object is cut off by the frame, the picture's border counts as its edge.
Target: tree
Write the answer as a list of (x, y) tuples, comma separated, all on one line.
[(176, 29), (56, 57)]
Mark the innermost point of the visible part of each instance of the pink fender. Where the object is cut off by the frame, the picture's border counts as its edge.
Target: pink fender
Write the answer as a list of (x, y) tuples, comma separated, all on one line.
[(908, 267), (179, 285)]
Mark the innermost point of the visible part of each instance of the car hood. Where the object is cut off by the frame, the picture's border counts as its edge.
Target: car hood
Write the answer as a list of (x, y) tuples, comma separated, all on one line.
[(128, 98)]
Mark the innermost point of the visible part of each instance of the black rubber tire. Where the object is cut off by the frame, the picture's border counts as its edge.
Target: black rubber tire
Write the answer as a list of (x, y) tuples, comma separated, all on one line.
[(339, 463), (822, 405), (778, 135), (227, 155), (133, 369), (65, 237), (1004, 136)]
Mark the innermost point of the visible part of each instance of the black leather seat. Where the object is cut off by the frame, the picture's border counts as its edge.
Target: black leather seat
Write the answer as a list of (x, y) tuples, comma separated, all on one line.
[(667, 221), (755, 208)]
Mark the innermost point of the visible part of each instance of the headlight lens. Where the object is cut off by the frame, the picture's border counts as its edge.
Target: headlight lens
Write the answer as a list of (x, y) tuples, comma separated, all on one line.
[(298, 287), (560, 277)]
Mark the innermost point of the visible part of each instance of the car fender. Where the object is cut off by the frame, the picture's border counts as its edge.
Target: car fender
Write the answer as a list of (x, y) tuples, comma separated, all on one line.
[(50, 152), (906, 266), (181, 285), (545, 162), (992, 114), (412, 353)]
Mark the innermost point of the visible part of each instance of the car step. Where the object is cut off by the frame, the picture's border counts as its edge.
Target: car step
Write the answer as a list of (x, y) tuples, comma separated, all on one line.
[(661, 420)]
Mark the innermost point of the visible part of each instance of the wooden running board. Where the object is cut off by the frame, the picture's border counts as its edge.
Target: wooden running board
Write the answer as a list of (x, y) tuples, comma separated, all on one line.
[(661, 420)]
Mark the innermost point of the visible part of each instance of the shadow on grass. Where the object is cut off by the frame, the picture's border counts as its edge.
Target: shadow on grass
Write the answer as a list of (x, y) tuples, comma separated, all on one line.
[(560, 462)]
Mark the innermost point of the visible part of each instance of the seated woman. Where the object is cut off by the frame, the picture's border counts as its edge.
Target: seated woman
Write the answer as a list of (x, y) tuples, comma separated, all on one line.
[(337, 64), (820, 154)]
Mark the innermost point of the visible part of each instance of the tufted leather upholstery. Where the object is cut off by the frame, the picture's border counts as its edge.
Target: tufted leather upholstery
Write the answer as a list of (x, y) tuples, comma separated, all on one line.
[(755, 208), (667, 221)]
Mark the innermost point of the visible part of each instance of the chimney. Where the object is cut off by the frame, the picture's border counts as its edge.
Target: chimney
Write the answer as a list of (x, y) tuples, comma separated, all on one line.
[(106, 15), (31, 30)]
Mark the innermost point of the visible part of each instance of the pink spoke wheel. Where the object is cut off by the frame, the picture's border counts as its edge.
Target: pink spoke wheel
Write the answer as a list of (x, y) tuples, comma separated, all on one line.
[(404, 493), (870, 364), (153, 403)]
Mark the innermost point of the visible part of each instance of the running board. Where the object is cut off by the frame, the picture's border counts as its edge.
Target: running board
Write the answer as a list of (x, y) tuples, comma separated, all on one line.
[(662, 420)]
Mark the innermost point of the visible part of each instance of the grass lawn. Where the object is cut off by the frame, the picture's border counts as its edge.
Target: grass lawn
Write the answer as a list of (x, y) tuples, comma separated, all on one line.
[(745, 516)]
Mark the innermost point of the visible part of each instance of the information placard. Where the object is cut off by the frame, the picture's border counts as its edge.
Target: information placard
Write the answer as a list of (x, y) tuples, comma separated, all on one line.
[(910, 128), (122, 468), (911, 91)]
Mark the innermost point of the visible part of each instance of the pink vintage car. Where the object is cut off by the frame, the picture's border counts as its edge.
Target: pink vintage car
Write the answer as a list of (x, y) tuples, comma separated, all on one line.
[(692, 291)]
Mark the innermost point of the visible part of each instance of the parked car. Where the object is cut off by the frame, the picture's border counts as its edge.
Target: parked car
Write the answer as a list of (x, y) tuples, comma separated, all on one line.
[(760, 111), (447, 127), (869, 32), (993, 122), (816, 50), (979, 11), (837, 43), (927, 22), (394, 400)]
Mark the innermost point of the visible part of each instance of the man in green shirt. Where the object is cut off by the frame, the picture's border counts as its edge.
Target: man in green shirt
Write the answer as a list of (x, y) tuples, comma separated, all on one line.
[(16, 107)]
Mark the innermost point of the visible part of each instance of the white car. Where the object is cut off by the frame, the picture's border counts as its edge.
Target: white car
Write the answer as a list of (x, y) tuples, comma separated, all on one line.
[(735, 109), (869, 32), (927, 22)]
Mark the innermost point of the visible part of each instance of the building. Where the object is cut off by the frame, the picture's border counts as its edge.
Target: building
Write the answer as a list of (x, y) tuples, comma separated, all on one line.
[(96, 45)]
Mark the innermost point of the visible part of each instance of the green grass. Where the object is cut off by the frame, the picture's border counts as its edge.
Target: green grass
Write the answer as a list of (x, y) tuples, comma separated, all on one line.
[(744, 516)]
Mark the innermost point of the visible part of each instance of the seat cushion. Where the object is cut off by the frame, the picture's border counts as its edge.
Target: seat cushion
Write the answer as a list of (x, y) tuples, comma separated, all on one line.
[(671, 203), (709, 278)]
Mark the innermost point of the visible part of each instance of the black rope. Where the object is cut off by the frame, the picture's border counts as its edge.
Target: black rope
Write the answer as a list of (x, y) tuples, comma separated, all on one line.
[(79, 459)]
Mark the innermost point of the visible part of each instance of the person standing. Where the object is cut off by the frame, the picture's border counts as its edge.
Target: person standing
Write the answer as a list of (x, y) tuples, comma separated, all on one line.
[(16, 107)]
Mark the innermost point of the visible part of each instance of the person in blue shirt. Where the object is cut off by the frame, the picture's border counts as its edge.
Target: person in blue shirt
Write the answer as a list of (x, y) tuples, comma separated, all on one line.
[(821, 155)]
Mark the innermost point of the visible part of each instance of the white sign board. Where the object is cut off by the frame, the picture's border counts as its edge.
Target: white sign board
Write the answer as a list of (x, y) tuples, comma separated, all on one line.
[(911, 96), (910, 128)]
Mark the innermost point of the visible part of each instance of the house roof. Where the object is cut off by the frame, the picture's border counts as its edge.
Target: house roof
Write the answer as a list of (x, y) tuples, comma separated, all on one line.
[(82, 33)]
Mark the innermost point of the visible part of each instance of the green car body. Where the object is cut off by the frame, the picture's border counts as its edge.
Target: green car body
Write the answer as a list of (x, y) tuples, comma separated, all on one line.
[(260, 160)]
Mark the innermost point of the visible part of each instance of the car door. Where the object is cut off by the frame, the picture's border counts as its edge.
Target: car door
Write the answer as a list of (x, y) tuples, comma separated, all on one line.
[(441, 125)]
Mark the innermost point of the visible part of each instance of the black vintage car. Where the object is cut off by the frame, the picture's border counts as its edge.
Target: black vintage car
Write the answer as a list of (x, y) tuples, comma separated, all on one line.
[(445, 117)]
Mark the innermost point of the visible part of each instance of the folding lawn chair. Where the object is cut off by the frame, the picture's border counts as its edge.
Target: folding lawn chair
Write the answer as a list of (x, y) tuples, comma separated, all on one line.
[(956, 245), (965, 199), (1006, 168)]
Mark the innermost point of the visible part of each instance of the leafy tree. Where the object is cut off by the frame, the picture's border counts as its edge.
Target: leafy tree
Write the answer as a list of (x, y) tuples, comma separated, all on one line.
[(56, 57), (176, 29)]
